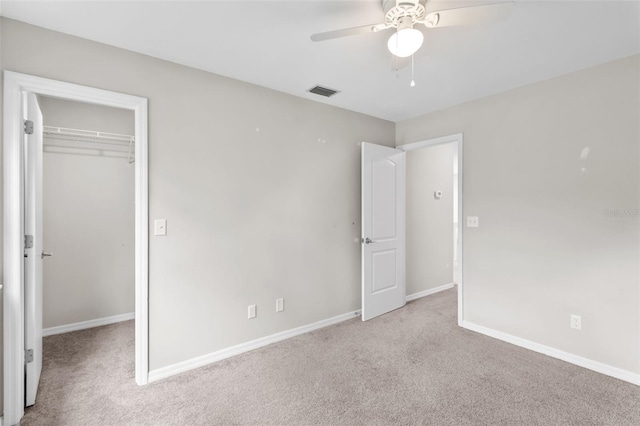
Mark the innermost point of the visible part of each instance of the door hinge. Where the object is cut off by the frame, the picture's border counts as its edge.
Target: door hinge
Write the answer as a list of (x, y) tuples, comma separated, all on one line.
[(28, 356), (28, 241), (28, 127)]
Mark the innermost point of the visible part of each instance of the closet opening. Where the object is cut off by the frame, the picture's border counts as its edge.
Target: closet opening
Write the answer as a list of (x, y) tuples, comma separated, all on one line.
[(88, 273)]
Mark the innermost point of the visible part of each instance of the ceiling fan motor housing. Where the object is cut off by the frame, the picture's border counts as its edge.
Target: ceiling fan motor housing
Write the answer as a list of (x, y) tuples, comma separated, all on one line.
[(396, 10)]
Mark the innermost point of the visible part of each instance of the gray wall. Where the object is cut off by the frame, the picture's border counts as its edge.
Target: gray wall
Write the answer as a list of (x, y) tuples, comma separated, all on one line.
[(429, 220), (89, 224), (79, 115), (1, 229), (260, 189), (545, 248)]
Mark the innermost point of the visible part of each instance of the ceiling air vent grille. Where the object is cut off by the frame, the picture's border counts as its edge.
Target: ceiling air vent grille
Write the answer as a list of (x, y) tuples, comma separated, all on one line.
[(323, 91)]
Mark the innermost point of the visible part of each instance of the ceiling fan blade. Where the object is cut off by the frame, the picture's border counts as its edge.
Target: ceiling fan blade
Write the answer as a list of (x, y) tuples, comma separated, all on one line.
[(468, 15), (373, 28)]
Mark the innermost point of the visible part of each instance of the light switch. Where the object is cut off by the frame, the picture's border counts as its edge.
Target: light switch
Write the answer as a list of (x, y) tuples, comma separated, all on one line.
[(472, 221), (160, 227)]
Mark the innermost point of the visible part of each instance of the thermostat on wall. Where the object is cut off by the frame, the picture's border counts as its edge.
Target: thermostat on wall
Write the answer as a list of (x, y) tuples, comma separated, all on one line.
[(437, 195)]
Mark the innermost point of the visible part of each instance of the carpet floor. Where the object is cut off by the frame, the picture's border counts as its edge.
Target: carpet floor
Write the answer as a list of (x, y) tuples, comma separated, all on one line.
[(411, 366)]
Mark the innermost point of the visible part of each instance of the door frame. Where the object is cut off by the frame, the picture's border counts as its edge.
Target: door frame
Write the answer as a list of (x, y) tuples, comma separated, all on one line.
[(457, 140), (13, 196)]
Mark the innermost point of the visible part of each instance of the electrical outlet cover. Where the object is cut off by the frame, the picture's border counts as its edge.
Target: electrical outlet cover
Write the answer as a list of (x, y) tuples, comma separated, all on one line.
[(472, 222), (576, 322)]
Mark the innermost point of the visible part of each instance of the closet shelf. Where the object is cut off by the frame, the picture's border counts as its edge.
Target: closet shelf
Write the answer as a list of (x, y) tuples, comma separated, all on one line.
[(88, 142), (88, 136)]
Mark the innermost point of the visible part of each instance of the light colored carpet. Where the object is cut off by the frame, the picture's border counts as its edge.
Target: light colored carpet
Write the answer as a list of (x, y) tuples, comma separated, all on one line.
[(412, 366)]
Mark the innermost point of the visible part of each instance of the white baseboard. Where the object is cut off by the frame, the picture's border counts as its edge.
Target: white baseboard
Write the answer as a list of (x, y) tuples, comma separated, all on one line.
[(190, 364), (429, 292), (599, 367), (87, 324)]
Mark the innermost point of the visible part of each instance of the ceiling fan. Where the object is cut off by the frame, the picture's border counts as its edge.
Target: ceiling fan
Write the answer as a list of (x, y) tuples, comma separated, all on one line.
[(403, 15)]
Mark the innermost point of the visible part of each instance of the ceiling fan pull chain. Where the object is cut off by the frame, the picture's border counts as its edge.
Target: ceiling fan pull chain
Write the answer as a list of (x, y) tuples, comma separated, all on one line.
[(396, 59), (413, 82), (397, 38)]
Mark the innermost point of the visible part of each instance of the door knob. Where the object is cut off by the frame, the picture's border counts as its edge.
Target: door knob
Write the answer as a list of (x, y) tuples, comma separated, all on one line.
[(368, 241), (46, 254)]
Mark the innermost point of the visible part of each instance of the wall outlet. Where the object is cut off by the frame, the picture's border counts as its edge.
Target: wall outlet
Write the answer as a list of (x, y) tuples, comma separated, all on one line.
[(576, 322), (252, 311), (279, 305), (472, 222)]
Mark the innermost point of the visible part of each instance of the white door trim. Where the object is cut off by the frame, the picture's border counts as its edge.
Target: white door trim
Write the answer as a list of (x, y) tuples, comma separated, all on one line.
[(14, 85), (457, 140)]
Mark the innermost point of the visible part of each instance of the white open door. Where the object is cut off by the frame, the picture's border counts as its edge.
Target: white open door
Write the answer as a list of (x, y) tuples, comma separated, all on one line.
[(383, 229), (34, 253)]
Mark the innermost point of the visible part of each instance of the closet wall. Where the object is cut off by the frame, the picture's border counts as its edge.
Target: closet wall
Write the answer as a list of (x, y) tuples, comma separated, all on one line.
[(88, 217)]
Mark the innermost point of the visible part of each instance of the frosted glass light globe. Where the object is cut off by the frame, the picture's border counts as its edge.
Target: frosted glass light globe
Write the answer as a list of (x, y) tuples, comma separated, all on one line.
[(405, 42)]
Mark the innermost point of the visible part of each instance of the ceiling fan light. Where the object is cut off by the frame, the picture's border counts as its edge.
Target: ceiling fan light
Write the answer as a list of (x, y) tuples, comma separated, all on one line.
[(405, 42)]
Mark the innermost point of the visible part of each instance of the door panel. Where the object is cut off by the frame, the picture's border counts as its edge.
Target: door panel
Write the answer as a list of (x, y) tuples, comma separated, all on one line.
[(33, 256), (383, 197), (385, 272), (383, 229)]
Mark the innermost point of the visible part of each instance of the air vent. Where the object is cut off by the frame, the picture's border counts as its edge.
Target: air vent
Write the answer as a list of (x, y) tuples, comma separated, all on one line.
[(323, 91)]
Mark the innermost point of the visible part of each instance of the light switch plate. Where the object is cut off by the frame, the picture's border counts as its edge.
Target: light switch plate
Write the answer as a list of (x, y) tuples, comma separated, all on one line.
[(279, 305), (251, 312), (160, 227), (472, 222)]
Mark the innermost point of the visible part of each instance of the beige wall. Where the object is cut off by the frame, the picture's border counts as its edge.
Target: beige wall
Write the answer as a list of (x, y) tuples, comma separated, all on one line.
[(260, 190), (429, 220), (89, 225), (1, 229), (545, 248), (79, 115)]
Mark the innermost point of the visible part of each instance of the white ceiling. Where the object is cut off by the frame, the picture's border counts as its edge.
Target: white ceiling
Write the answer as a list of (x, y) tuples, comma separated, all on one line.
[(267, 43)]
